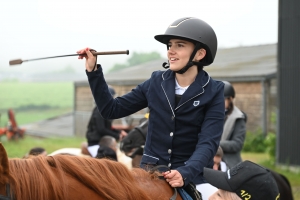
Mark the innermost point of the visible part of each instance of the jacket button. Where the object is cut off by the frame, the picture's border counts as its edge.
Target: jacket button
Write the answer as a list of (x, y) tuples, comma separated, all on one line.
[(169, 151), (169, 165), (171, 134)]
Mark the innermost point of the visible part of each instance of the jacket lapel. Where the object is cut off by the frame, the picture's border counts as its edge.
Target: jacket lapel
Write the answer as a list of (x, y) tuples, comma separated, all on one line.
[(195, 89), (168, 86)]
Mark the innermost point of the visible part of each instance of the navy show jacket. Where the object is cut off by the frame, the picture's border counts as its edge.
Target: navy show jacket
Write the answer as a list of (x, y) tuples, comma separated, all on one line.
[(184, 137)]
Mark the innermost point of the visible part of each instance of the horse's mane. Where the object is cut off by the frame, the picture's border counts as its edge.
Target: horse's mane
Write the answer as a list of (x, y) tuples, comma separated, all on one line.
[(47, 177)]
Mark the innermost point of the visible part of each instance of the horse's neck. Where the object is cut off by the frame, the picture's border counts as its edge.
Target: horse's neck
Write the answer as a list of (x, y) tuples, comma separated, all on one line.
[(155, 187)]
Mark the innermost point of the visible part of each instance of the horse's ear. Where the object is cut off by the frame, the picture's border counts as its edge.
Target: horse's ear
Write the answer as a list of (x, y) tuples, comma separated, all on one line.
[(4, 169)]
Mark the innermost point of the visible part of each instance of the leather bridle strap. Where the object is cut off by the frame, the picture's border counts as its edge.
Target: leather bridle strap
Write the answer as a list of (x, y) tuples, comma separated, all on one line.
[(143, 134), (155, 168), (7, 197)]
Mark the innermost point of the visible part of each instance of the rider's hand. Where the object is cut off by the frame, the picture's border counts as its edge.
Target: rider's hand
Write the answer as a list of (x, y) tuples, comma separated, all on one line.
[(122, 134), (174, 178), (90, 59)]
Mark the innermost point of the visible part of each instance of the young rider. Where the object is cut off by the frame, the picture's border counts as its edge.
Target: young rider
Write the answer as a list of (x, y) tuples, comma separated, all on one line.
[(186, 105)]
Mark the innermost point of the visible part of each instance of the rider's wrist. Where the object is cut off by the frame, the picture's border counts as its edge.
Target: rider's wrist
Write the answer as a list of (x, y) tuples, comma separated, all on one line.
[(95, 65)]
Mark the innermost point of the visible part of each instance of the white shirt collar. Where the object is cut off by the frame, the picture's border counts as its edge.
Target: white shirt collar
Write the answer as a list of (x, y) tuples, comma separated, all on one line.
[(178, 89)]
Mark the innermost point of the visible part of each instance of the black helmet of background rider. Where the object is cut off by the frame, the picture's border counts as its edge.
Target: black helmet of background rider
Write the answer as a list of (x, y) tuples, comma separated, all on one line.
[(196, 31), (228, 90), (111, 90)]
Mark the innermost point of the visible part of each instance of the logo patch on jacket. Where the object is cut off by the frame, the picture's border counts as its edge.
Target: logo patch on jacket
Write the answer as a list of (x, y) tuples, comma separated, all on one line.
[(196, 103)]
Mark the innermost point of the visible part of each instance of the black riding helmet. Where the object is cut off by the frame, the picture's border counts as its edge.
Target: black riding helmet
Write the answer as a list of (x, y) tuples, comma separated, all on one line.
[(111, 90), (196, 31), (228, 90)]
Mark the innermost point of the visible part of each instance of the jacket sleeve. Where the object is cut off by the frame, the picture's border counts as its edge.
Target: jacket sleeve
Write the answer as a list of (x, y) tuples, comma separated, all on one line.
[(114, 108), (236, 141), (208, 138)]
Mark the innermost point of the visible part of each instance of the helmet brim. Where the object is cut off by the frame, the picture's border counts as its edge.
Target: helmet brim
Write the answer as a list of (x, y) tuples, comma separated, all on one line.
[(166, 38)]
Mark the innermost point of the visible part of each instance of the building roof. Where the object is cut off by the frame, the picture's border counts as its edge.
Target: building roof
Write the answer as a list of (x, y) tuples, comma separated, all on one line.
[(250, 63)]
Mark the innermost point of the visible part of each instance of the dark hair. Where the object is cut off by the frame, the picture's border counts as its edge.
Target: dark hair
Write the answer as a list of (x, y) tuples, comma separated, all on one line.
[(36, 151), (230, 106), (106, 141), (111, 90), (220, 152)]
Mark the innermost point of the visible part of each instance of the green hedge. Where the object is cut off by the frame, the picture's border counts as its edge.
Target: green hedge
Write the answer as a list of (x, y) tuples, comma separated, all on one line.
[(256, 142)]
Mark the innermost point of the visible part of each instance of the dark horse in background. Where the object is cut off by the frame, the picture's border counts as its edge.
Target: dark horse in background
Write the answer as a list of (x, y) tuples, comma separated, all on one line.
[(133, 146)]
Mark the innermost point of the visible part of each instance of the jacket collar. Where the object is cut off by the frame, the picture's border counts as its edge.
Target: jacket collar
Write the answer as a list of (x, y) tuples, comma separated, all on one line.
[(194, 90), (168, 86)]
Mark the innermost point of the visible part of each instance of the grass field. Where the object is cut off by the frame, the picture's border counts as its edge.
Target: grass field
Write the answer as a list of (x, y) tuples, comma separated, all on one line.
[(35, 101), (22, 95), (17, 149)]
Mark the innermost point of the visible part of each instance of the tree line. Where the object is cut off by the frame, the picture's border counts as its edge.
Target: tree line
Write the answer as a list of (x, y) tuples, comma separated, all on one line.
[(136, 59)]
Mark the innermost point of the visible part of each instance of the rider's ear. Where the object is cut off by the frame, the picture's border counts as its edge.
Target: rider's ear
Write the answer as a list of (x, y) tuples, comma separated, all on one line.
[(200, 54)]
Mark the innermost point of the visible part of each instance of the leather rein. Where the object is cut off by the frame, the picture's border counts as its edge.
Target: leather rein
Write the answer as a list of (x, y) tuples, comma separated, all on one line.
[(155, 168), (8, 196)]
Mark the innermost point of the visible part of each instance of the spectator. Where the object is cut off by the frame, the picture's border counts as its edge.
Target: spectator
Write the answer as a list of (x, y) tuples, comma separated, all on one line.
[(244, 181), (218, 163), (36, 151), (99, 127), (234, 132), (108, 148), (207, 189)]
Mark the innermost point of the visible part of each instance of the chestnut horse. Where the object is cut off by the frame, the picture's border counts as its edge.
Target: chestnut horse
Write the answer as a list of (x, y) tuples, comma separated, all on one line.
[(73, 177)]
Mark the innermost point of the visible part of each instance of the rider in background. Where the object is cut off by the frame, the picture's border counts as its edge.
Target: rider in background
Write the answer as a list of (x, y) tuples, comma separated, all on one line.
[(99, 127), (186, 105), (234, 132)]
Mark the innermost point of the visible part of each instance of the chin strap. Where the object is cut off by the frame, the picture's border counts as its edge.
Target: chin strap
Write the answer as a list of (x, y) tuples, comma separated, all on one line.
[(191, 63)]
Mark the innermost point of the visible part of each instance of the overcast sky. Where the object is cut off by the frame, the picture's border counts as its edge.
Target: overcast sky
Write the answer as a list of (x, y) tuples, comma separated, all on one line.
[(42, 28)]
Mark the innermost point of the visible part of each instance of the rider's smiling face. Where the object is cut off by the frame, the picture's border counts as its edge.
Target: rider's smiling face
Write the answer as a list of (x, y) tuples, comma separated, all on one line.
[(179, 53)]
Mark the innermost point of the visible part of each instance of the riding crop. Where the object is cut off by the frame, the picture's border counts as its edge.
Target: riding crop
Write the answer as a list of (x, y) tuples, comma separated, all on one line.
[(20, 61)]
